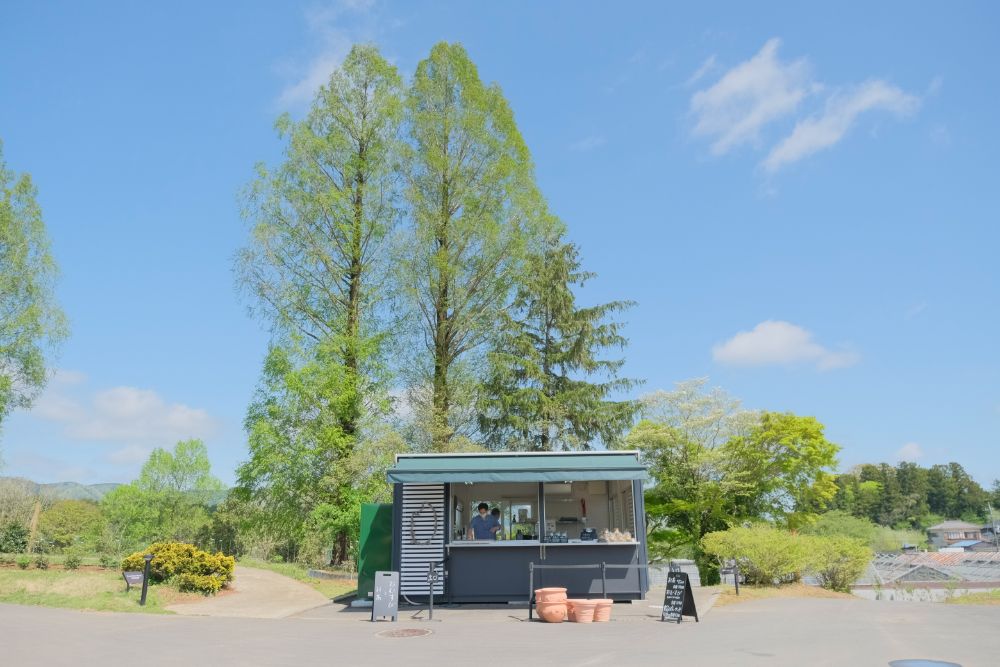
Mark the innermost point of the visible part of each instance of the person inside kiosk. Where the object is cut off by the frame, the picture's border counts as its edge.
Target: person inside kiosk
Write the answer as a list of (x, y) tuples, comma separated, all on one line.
[(484, 526)]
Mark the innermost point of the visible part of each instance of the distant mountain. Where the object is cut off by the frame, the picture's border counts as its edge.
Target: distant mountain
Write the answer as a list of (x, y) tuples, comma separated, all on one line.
[(63, 490)]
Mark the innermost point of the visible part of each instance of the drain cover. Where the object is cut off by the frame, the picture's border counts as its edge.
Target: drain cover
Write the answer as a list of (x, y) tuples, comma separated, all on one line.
[(922, 663), (415, 632)]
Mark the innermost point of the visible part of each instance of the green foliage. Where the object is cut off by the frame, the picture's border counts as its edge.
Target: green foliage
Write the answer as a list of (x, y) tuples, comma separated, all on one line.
[(23, 562), (13, 537), (6, 559), (766, 555), (72, 561), (474, 205), (539, 394), (107, 561), (194, 570), (840, 523), (167, 501), (836, 560), (769, 556), (69, 522), (41, 561), (788, 460), (910, 496), (30, 321)]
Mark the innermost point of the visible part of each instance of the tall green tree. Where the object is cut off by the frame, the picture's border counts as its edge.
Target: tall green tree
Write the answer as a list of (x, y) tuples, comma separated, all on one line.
[(31, 323), (316, 259), (169, 500), (549, 387), (472, 200)]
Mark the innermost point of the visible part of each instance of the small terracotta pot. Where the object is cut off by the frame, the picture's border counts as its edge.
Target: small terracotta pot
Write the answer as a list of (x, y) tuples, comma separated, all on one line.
[(550, 595), (602, 610), (571, 609), (583, 610), (552, 612)]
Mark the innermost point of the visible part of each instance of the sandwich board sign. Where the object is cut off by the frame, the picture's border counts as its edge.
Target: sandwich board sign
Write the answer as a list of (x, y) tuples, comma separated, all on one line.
[(678, 601), (385, 602)]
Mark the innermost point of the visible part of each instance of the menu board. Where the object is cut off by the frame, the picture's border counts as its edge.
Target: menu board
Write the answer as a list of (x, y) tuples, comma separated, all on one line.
[(386, 595), (678, 600)]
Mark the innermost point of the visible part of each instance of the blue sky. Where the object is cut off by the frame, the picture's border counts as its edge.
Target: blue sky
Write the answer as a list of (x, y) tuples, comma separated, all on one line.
[(802, 200)]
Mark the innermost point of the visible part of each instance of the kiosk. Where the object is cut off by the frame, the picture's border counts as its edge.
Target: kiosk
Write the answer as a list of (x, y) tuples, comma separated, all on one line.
[(556, 508)]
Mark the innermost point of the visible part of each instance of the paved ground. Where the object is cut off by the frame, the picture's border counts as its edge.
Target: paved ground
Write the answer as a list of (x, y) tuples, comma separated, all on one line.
[(257, 594), (779, 632)]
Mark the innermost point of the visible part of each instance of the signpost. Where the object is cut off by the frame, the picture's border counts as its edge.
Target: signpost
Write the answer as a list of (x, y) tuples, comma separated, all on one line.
[(132, 579), (678, 601), (385, 601), (145, 579)]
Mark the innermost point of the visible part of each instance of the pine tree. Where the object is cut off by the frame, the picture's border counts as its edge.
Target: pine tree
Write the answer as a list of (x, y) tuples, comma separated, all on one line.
[(548, 388)]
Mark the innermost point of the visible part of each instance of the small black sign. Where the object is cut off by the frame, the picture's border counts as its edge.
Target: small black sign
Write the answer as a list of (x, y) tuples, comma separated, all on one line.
[(385, 601), (678, 601), (132, 579)]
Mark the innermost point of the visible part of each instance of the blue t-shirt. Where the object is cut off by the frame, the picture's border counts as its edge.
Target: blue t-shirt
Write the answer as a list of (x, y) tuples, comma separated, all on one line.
[(481, 526)]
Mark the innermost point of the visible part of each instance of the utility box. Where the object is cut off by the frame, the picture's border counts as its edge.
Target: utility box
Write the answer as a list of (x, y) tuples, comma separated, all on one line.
[(375, 547)]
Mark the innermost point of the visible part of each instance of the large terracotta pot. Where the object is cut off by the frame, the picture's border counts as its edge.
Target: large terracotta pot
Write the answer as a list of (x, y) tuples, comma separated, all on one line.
[(550, 595), (584, 610), (571, 610), (602, 610), (552, 612)]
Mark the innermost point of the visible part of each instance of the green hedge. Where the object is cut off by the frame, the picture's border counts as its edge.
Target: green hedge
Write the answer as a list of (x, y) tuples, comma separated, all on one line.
[(189, 567), (770, 556)]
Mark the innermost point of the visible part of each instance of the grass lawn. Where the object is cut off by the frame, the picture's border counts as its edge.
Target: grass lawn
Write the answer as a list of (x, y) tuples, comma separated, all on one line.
[(986, 597), (98, 590), (328, 587), (728, 595)]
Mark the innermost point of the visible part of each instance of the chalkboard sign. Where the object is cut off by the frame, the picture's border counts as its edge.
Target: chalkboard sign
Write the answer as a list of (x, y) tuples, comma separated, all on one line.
[(132, 579), (678, 601), (386, 596)]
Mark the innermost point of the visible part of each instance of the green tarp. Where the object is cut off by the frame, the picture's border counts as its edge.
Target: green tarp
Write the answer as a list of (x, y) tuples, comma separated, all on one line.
[(554, 467)]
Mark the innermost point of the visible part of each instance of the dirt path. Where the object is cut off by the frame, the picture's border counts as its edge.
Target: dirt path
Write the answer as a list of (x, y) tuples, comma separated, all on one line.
[(256, 594)]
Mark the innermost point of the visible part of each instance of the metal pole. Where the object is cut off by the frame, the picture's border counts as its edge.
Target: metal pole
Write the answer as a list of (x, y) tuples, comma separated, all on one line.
[(736, 576), (604, 581), (531, 588), (145, 579), (430, 586)]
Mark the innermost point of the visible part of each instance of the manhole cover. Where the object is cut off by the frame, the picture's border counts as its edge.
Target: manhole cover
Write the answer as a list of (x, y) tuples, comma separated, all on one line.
[(922, 663), (406, 632)]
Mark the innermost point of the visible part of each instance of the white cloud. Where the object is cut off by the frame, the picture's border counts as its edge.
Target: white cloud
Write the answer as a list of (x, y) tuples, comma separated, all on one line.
[(335, 28), (66, 377), (588, 143), (779, 343), (911, 451), (707, 66), (748, 97), (125, 414), (842, 109)]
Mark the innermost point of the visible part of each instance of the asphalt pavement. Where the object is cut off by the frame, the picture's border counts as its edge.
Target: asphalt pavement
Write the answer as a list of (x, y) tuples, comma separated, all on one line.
[(778, 632)]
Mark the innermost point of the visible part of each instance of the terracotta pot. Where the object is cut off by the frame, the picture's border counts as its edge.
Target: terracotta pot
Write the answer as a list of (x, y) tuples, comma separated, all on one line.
[(571, 609), (602, 610), (584, 611), (552, 612), (550, 595)]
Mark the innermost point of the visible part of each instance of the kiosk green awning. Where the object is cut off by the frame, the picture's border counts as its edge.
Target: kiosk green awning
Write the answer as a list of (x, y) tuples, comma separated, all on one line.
[(517, 467)]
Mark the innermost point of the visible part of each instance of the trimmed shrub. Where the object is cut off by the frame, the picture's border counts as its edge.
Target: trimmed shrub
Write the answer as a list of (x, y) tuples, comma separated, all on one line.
[(192, 568), (767, 556), (108, 562), (209, 584), (72, 561), (23, 562), (42, 562), (837, 561)]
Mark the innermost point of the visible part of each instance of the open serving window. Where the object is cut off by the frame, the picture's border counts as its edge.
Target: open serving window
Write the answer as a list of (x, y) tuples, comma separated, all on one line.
[(580, 511)]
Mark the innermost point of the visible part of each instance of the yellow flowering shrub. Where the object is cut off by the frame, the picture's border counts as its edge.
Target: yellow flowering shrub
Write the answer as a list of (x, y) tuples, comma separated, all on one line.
[(191, 568)]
